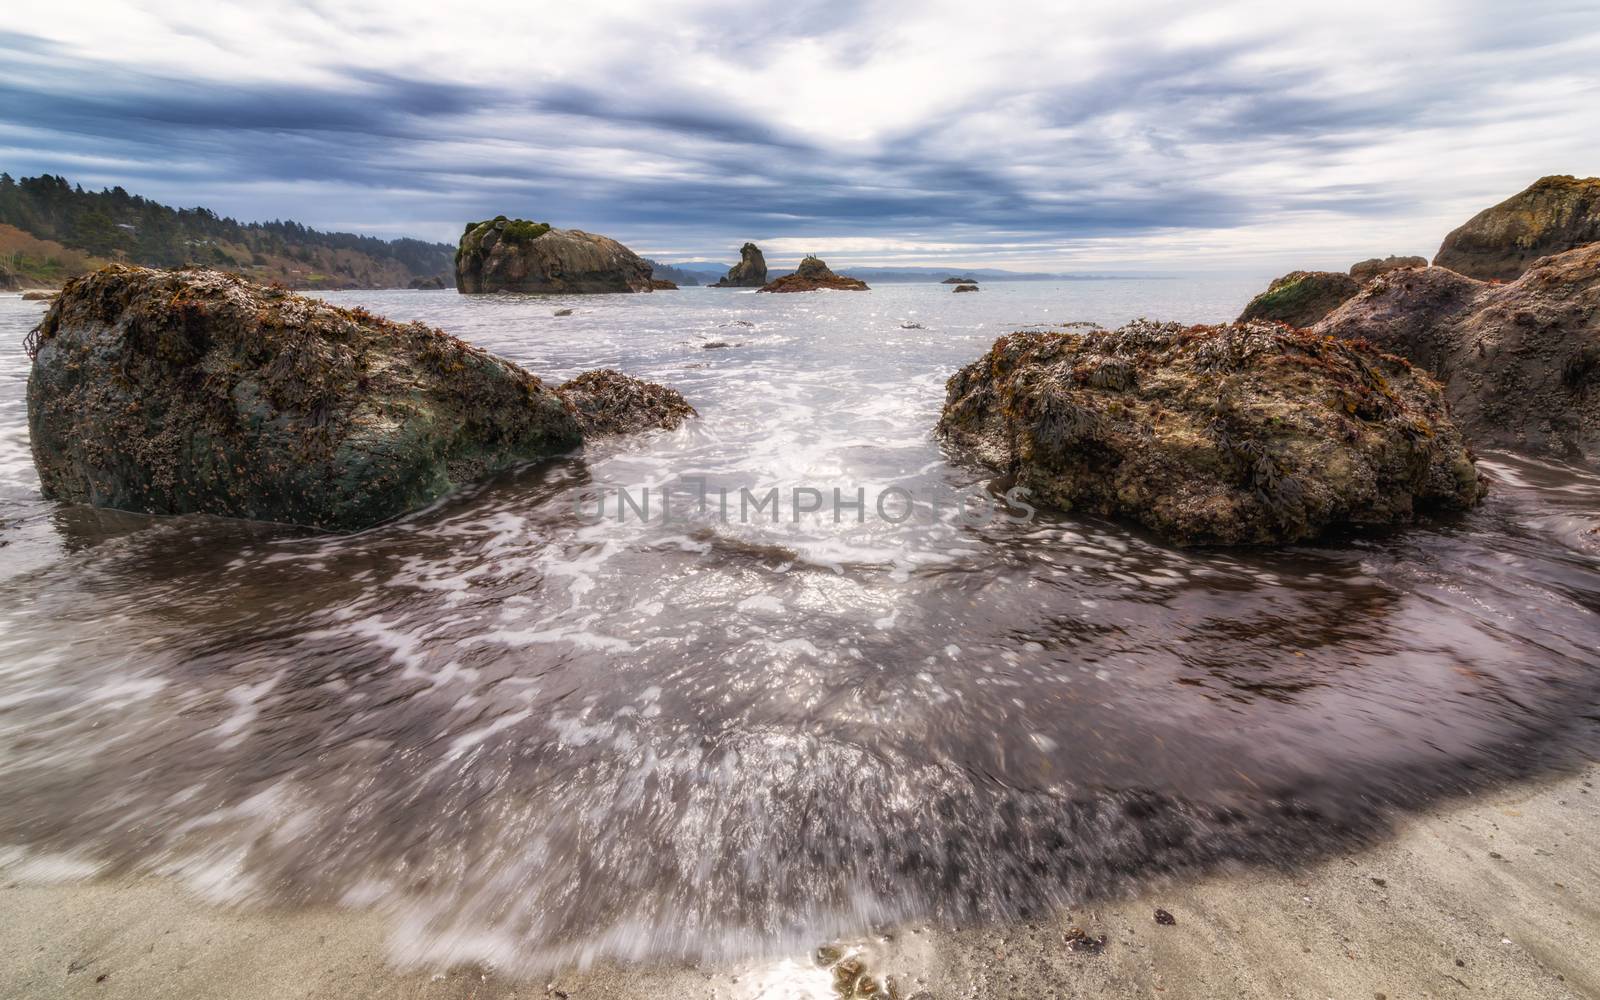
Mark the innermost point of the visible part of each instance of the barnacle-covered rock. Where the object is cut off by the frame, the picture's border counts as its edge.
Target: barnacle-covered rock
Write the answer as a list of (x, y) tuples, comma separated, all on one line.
[(609, 402), (197, 391), (1246, 433)]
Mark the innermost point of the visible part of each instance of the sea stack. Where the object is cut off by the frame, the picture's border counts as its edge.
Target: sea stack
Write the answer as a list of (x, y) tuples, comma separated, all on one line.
[(750, 272), (813, 275), (1554, 215), (514, 255), (196, 391)]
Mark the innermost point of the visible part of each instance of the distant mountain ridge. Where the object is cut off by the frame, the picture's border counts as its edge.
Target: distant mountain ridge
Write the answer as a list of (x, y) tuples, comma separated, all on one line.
[(93, 227)]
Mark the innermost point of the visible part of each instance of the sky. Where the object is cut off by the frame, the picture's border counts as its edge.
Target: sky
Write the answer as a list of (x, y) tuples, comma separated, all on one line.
[(1119, 137)]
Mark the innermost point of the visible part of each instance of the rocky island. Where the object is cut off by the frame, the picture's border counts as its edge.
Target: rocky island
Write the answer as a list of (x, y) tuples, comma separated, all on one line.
[(1246, 433), (514, 255), (750, 272), (814, 275), (194, 390)]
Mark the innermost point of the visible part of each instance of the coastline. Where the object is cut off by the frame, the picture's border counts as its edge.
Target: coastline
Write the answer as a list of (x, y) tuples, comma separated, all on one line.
[(1492, 895)]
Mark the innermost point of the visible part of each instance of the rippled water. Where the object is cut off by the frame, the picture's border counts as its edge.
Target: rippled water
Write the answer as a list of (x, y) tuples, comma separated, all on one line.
[(532, 736)]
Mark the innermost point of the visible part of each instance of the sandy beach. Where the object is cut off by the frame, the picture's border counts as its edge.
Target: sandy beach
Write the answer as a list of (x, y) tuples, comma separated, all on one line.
[(1493, 896)]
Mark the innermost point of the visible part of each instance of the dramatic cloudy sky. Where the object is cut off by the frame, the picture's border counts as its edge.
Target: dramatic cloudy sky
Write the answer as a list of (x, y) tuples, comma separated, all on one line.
[(1055, 135)]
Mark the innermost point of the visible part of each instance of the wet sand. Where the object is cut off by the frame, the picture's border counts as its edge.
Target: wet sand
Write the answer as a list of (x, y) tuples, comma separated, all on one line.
[(1496, 896)]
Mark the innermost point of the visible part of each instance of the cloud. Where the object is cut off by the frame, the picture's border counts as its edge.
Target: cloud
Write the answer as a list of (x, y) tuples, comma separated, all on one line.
[(1043, 135)]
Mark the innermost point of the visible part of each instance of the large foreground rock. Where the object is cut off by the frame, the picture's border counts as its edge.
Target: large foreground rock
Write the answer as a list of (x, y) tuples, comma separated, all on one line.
[(1553, 216), (1235, 434), (1300, 298), (514, 255), (813, 275), (196, 391), (750, 272), (1520, 362)]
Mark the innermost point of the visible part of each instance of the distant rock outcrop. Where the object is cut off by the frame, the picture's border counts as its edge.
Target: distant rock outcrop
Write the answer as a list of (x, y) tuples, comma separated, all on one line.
[(1520, 361), (513, 255), (813, 275), (750, 272), (1300, 298), (431, 283), (1245, 433), (959, 281), (187, 391), (1366, 270), (1556, 214)]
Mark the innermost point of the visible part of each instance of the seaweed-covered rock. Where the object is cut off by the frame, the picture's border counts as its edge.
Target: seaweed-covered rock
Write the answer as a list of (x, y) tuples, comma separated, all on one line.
[(609, 402), (813, 275), (1554, 215), (1520, 362), (663, 285), (965, 288), (1364, 271), (196, 391), (514, 255), (750, 272), (1245, 433), (1300, 298)]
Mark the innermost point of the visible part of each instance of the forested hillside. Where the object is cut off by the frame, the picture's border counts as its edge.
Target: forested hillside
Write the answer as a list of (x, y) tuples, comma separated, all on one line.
[(87, 228)]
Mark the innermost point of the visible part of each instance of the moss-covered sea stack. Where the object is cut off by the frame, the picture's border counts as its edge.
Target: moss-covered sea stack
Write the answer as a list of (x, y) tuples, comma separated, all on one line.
[(514, 255), (184, 391), (1246, 433)]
